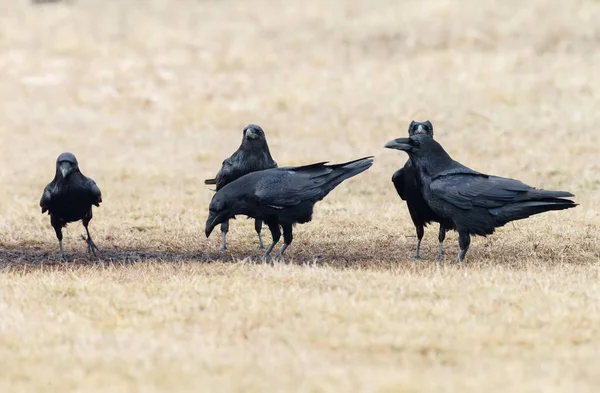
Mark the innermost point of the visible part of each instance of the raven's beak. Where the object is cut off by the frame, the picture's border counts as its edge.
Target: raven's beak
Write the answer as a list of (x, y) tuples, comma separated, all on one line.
[(65, 168), (399, 144), (252, 134), (212, 221), (420, 130)]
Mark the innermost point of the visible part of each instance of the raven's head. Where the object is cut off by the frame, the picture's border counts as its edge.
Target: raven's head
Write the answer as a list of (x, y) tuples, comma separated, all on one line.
[(66, 164), (416, 128), (419, 145), (254, 135), (221, 209)]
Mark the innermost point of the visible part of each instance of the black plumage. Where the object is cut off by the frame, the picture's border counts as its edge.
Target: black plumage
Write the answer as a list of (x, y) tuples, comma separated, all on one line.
[(252, 155), (280, 196), (69, 197), (405, 182), (475, 203)]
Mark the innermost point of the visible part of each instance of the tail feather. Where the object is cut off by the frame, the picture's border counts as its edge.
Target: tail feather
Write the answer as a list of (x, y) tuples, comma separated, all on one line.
[(538, 194), (344, 171), (521, 210), (210, 181)]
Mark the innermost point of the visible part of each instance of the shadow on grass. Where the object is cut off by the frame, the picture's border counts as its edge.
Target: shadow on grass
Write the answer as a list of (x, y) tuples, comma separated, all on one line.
[(388, 254), (312, 253)]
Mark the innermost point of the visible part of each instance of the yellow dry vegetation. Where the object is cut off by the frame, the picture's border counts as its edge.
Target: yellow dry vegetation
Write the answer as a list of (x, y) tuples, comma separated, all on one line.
[(152, 96)]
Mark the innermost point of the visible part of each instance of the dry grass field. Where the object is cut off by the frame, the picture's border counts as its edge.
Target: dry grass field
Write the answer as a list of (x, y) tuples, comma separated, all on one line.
[(151, 96)]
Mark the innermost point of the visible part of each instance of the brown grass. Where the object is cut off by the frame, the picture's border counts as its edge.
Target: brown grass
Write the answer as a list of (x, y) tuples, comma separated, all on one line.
[(151, 99)]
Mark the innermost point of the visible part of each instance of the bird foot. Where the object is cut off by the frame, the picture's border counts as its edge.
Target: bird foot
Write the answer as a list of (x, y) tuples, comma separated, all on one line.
[(91, 247), (223, 249), (267, 259), (261, 246), (62, 257), (417, 257), (439, 258)]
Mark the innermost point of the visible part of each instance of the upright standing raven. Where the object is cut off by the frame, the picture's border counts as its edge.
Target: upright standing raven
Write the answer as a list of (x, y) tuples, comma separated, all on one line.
[(475, 203), (69, 197), (252, 155), (280, 196), (405, 182)]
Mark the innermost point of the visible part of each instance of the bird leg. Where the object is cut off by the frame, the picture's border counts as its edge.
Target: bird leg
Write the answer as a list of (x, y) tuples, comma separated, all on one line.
[(464, 240), (258, 228), (58, 230), (441, 238), (276, 234), (420, 233), (287, 239), (61, 252), (224, 230), (90, 243), (279, 256)]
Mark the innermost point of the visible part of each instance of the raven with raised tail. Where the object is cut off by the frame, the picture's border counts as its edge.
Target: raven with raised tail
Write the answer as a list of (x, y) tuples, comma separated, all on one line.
[(280, 196)]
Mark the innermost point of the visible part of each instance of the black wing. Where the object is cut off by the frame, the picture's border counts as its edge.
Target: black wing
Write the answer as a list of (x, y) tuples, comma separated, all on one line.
[(466, 191), (94, 192), (225, 175), (46, 198), (398, 180), (289, 188), (292, 186)]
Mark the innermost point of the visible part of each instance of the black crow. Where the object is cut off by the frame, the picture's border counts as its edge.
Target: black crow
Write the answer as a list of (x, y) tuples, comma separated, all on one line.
[(475, 203), (280, 196), (252, 155), (405, 182), (69, 197)]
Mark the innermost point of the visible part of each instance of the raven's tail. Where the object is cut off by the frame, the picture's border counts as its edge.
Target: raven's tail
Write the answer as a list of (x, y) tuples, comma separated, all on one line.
[(353, 168), (210, 181), (521, 210), (340, 172)]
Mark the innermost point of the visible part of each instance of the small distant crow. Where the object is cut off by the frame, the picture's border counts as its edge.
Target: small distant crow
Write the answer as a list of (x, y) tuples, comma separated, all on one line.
[(405, 182), (280, 196), (69, 197), (252, 155), (475, 203)]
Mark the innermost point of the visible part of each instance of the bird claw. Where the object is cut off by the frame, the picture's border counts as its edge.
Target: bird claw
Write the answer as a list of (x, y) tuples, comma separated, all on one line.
[(223, 249), (267, 259), (261, 246), (439, 258), (417, 257), (91, 246), (63, 258)]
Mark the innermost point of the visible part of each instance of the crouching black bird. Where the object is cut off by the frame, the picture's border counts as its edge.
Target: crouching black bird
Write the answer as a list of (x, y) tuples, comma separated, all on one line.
[(475, 203), (69, 197), (252, 155), (405, 182), (280, 196)]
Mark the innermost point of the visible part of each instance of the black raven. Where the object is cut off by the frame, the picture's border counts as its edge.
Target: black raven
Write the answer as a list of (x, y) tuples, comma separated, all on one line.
[(69, 197), (475, 203), (252, 155), (280, 196), (405, 182)]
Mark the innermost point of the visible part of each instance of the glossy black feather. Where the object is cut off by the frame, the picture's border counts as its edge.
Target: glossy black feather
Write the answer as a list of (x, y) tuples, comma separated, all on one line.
[(252, 155), (281, 196), (475, 203)]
